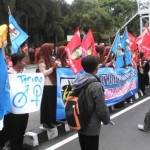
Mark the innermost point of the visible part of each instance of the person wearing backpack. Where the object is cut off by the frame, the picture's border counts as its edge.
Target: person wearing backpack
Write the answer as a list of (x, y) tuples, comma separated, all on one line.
[(92, 104)]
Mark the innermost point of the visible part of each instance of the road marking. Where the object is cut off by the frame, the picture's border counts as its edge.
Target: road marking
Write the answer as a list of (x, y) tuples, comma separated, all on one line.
[(75, 136)]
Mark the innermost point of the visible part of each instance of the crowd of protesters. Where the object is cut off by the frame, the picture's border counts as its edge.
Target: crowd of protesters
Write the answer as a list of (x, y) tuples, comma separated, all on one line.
[(48, 58), (50, 54)]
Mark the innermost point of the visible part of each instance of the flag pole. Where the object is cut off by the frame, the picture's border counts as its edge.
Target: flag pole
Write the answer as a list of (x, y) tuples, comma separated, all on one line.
[(9, 11)]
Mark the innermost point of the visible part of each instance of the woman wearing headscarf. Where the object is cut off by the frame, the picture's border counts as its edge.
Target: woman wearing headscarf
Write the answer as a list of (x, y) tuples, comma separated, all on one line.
[(47, 66)]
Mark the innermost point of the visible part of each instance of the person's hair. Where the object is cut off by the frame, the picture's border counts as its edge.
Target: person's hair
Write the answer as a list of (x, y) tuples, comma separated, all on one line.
[(89, 63), (46, 51), (100, 49), (15, 58), (62, 55)]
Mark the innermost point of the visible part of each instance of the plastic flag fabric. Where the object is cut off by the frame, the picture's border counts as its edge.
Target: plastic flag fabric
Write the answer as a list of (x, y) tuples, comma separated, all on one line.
[(132, 42), (120, 62), (75, 53), (88, 44), (116, 42), (145, 46), (124, 39), (4, 87), (17, 35), (125, 42), (140, 37)]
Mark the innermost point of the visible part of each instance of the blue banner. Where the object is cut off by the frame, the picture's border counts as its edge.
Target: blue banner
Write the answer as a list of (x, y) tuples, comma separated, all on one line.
[(119, 84), (17, 35), (4, 87)]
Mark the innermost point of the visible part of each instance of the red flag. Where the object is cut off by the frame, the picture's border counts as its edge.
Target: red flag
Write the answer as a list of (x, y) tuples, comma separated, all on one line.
[(74, 52), (145, 45), (132, 41), (140, 38), (134, 48), (88, 44)]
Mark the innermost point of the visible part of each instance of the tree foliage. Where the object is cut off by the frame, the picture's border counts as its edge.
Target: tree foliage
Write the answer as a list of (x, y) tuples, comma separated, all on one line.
[(53, 20)]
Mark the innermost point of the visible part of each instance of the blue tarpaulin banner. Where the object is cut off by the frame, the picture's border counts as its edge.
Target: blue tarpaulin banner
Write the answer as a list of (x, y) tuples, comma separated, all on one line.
[(119, 84)]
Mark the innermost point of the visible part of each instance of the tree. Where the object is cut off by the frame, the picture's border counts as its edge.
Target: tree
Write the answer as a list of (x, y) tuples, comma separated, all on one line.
[(105, 17), (52, 20)]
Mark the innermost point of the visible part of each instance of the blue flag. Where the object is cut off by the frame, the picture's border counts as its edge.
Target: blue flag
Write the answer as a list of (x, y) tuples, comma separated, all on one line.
[(17, 35), (4, 87), (127, 51), (128, 56), (116, 42), (119, 62), (124, 39)]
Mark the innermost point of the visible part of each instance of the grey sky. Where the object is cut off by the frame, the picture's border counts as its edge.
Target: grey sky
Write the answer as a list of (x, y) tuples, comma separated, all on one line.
[(69, 1)]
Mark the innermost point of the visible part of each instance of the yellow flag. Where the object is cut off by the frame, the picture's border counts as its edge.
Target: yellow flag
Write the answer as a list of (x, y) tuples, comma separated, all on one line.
[(3, 34)]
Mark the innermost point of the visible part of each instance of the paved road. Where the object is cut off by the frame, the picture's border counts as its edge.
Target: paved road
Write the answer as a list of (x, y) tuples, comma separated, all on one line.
[(123, 136)]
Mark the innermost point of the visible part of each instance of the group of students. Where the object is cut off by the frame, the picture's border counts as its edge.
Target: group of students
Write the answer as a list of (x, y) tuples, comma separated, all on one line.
[(15, 125)]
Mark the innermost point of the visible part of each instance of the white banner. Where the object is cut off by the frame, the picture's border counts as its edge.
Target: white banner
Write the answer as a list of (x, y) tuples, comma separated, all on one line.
[(1, 124), (143, 6), (26, 91)]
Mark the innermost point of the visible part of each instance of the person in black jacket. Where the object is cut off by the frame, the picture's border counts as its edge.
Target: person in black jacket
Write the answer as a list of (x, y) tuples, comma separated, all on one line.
[(94, 94)]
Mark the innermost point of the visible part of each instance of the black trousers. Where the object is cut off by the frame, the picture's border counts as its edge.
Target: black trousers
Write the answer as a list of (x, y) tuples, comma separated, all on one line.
[(147, 121), (14, 130), (141, 82), (88, 142), (48, 106)]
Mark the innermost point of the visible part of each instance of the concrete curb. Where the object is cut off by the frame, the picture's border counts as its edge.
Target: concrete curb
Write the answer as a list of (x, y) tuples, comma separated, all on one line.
[(36, 137)]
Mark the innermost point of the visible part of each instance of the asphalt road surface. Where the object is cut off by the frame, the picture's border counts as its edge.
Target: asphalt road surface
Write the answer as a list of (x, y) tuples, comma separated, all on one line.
[(124, 135)]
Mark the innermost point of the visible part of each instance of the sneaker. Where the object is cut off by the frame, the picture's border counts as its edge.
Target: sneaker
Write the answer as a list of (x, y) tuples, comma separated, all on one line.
[(141, 127), (131, 101)]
